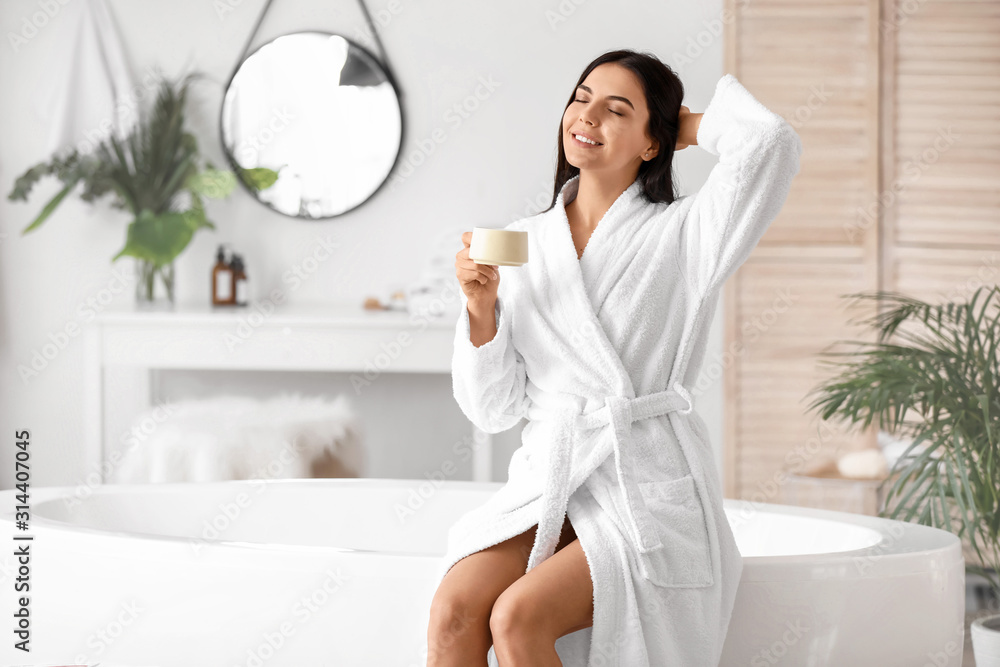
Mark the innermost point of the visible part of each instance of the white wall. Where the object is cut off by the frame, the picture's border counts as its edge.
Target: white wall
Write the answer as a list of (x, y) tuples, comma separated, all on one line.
[(496, 166)]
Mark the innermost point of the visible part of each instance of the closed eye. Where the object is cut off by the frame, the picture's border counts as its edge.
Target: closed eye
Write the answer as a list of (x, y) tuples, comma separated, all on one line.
[(611, 110)]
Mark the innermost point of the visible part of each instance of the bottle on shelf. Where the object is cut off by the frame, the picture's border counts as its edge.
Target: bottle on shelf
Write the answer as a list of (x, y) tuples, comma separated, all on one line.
[(239, 280), (223, 292)]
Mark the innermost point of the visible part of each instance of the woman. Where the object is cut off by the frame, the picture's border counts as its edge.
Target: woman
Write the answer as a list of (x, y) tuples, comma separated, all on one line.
[(608, 545)]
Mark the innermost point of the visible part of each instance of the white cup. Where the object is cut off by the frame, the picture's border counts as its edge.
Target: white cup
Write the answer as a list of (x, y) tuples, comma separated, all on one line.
[(500, 247)]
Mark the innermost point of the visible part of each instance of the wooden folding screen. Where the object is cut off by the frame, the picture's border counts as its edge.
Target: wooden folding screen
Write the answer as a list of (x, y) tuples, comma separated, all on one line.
[(896, 104)]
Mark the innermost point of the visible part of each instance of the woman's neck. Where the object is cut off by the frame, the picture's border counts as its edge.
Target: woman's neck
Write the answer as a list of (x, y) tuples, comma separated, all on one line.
[(595, 194)]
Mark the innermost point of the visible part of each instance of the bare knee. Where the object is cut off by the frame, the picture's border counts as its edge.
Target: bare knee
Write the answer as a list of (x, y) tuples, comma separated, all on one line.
[(515, 618), (456, 616)]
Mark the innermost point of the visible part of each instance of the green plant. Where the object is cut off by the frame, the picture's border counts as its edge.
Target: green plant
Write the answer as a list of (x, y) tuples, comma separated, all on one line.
[(943, 371), (155, 173)]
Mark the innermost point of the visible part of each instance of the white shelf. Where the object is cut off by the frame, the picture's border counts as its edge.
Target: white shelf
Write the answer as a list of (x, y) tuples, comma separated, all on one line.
[(301, 337)]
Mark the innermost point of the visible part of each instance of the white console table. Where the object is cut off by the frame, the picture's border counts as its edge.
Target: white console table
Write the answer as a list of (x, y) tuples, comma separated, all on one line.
[(341, 338)]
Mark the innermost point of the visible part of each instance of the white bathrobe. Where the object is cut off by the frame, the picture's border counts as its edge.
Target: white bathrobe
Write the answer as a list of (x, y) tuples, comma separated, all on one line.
[(598, 353)]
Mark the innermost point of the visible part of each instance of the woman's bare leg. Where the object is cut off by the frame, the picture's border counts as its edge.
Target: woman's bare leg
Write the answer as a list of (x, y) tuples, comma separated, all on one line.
[(554, 599), (459, 631)]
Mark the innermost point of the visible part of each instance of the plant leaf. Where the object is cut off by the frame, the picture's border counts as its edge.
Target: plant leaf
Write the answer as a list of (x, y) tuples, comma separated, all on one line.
[(258, 178), (51, 206), (213, 183), (159, 238)]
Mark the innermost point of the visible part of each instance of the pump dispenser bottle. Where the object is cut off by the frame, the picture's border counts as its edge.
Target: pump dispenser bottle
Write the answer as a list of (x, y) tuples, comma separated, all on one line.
[(239, 280)]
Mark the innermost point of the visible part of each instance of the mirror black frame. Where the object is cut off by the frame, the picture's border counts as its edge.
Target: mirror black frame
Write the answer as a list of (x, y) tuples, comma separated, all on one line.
[(374, 62)]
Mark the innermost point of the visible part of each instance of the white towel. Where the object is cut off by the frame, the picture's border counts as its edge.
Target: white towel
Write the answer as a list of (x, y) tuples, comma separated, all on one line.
[(87, 89)]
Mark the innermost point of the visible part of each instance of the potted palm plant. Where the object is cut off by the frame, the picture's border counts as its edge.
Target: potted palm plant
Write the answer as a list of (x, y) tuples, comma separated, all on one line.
[(155, 173), (937, 383)]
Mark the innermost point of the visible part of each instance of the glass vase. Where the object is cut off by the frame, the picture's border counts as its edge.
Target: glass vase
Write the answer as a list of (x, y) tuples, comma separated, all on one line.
[(154, 287)]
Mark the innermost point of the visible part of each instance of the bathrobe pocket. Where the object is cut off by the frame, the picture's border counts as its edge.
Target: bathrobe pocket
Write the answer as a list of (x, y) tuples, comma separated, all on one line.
[(685, 559)]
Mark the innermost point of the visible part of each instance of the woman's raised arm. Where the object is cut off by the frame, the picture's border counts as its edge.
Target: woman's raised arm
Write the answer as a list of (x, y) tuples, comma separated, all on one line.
[(758, 154)]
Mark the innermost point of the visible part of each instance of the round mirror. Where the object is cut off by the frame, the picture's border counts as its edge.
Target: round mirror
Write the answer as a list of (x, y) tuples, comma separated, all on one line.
[(318, 110)]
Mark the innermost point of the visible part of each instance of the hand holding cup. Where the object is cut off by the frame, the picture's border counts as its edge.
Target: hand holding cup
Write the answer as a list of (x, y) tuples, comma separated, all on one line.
[(479, 281), (477, 264)]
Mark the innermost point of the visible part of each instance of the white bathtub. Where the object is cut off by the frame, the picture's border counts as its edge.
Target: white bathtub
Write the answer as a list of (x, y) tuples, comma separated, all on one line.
[(340, 573)]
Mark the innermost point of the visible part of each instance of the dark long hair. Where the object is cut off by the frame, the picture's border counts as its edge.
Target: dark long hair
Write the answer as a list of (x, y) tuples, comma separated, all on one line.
[(664, 93)]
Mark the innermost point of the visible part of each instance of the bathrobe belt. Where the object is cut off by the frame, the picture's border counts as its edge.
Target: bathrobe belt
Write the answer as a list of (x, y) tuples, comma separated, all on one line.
[(618, 413)]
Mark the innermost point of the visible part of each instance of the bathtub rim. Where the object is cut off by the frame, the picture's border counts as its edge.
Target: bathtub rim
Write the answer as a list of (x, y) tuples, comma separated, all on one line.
[(943, 552), (47, 494), (920, 549)]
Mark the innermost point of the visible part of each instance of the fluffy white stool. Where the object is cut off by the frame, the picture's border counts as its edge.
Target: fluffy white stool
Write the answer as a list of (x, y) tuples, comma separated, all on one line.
[(232, 437)]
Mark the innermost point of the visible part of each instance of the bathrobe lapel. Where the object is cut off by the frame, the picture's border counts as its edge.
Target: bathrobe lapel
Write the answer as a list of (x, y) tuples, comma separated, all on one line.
[(578, 276)]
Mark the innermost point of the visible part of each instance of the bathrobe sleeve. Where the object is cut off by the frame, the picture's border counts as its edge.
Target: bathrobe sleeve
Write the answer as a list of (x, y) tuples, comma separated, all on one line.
[(758, 153), (489, 381)]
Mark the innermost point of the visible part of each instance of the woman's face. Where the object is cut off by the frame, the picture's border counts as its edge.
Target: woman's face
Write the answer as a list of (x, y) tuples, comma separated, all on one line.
[(609, 107)]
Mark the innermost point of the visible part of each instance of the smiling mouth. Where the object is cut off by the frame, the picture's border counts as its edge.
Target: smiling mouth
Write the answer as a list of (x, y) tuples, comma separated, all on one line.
[(583, 141)]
